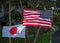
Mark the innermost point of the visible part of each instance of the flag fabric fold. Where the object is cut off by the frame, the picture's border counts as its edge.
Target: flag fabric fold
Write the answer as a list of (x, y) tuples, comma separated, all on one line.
[(37, 18)]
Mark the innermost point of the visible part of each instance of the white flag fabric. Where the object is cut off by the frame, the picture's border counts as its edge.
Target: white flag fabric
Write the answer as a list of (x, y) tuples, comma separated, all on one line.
[(14, 31)]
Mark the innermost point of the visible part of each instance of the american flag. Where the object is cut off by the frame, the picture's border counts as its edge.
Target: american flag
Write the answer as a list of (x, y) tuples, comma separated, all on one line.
[(37, 18)]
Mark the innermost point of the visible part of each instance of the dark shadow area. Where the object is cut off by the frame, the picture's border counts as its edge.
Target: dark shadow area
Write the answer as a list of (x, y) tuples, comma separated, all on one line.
[(56, 36)]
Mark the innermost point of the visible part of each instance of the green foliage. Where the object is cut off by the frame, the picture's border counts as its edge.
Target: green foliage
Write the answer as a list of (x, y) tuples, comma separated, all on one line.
[(44, 38)]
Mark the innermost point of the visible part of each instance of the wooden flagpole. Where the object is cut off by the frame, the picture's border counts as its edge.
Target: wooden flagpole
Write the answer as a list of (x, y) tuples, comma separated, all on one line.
[(9, 17), (51, 27)]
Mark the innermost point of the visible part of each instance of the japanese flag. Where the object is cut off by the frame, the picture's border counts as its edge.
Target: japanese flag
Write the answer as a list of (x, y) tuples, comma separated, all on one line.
[(14, 31)]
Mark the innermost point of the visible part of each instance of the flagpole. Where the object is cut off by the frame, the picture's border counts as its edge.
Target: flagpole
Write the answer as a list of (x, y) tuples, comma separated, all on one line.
[(51, 27), (9, 17), (51, 32)]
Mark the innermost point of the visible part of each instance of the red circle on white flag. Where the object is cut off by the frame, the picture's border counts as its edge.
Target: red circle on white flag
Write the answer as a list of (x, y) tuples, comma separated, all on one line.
[(13, 30)]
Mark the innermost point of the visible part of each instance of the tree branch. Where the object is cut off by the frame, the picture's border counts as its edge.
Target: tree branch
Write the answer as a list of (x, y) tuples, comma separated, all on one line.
[(36, 36)]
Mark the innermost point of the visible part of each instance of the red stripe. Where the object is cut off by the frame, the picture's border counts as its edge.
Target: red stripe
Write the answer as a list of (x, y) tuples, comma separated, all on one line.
[(46, 26), (46, 20), (30, 24), (30, 14)]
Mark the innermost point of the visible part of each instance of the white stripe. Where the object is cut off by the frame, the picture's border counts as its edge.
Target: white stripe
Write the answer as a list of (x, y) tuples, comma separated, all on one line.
[(45, 19), (29, 11), (30, 14), (33, 13)]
